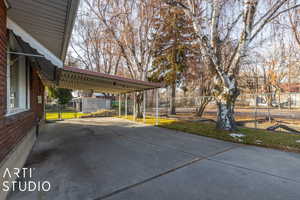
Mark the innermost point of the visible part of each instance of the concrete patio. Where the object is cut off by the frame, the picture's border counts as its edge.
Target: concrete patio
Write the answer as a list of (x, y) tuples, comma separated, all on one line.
[(109, 158)]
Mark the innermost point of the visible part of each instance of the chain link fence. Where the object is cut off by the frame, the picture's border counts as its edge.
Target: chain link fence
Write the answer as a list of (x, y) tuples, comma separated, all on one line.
[(273, 111), (82, 107), (266, 111), (54, 111)]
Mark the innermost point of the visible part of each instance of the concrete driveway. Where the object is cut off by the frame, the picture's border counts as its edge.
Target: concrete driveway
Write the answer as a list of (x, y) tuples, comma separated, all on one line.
[(109, 158)]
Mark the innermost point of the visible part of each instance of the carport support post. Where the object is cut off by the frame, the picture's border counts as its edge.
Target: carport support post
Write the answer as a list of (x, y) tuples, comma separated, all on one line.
[(157, 100), (126, 97), (134, 102), (144, 106), (120, 102)]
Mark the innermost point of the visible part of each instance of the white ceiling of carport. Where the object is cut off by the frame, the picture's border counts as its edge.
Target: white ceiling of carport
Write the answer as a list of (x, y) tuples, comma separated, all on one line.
[(48, 21)]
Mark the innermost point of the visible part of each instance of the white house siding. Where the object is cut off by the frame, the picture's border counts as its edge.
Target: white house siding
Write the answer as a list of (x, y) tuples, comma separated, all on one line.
[(93, 104)]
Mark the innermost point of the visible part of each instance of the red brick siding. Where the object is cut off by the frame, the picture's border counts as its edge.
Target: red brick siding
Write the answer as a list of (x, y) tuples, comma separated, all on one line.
[(3, 40), (36, 89), (14, 128)]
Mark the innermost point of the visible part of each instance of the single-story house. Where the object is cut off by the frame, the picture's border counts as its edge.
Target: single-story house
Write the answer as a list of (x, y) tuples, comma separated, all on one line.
[(33, 35), (34, 38)]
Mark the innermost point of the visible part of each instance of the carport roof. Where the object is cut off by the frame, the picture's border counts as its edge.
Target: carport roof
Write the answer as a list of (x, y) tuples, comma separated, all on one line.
[(79, 79)]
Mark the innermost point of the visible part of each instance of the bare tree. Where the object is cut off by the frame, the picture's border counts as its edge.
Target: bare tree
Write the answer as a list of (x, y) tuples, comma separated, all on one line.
[(197, 80), (218, 22), (92, 46), (130, 25), (294, 19)]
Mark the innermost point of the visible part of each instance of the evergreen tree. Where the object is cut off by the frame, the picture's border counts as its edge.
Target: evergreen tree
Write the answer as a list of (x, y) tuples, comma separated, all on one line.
[(62, 95), (174, 38)]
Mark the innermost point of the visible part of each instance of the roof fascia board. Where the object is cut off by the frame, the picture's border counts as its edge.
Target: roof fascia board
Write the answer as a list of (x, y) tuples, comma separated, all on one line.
[(111, 78), (70, 21), (6, 4), (19, 31)]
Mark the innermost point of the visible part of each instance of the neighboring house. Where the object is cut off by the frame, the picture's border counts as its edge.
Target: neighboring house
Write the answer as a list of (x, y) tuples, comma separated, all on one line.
[(288, 96), (292, 91), (34, 37), (91, 104), (292, 87)]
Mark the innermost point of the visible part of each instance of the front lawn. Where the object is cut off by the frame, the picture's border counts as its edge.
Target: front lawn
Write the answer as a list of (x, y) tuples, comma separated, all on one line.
[(65, 115), (72, 115), (258, 137)]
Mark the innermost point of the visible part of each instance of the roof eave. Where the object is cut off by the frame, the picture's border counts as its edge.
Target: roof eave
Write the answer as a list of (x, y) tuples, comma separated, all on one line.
[(71, 16), (19, 31), (6, 4)]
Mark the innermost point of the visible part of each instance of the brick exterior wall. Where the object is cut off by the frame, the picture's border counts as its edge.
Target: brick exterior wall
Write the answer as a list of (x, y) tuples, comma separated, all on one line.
[(3, 40), (13, 128)]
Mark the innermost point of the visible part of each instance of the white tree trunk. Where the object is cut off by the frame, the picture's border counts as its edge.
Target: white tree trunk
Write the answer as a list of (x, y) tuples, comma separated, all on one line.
[(225, 120), (225, 96)]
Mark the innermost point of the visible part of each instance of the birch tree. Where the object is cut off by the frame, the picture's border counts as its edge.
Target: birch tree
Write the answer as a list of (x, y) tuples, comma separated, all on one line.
[(218, 22)]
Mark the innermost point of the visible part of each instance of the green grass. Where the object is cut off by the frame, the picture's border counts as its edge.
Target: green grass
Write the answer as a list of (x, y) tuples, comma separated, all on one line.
[(65, 115), (72, 115), (258, 137)]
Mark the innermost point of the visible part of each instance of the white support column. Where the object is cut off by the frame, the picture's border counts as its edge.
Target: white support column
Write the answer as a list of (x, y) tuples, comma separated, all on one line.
[(44, 107), (144, 106), (134, 106), (120, 104), (126, 104), (157, 108)]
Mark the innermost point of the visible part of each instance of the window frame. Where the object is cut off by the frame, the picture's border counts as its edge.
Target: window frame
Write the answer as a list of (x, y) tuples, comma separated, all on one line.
[(23, 92)]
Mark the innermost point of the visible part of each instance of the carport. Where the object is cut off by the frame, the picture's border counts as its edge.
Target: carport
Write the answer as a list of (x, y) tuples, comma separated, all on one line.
[(79, 79), (48, 58), (53, 74)]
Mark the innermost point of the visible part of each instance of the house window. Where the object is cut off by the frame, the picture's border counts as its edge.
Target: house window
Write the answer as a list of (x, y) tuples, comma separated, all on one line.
[(17, 79)]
